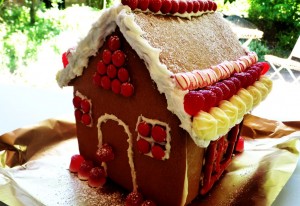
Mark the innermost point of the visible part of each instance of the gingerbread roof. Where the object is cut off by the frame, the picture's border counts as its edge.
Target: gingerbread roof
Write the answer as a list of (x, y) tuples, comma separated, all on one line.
[(184, 52)]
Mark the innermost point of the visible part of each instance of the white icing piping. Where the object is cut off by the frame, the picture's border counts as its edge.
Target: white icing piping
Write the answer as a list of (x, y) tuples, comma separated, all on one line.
[(186, 182), (103, 119), (151, 140)]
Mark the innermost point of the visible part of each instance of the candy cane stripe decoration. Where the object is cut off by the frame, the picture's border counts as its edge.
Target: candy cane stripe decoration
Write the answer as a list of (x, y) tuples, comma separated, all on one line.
[(205, 77)]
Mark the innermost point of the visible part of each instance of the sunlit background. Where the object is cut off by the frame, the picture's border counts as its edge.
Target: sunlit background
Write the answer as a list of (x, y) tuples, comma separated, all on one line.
[(34, 34)]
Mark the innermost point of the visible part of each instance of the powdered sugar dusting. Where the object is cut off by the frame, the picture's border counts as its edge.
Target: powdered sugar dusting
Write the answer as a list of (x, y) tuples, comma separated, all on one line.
[(207, 40)]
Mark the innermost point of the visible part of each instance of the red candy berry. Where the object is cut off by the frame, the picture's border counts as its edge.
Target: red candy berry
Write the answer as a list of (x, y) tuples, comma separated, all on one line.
[(144, 129), (105, 153), (225, 89), (219, 93), (101, 67), (116, 86), (77, 101), (210, 5), (134, 199), (250, 79), (127, 89), (65, 60), (236, 82), (123, 75), (148, 203), (111, 71), (159, 134), (106, 56), (210, 99), (196, 6), (105, 82), (190, 6), (157, 152), (264, 66), (131, 3), (175, 7), (254, 73), (239, 147), (114, 43), (86, 119), (84, 169), (85, 105), (230, 84), (205, 5), (193, 102), (215, 6), (118, 58), (155, 5), (201, 5), (75, 163), (143, 4), (182, 7), (143, 146), (78, 114), (166, 6), (97, 177), (242, 77)]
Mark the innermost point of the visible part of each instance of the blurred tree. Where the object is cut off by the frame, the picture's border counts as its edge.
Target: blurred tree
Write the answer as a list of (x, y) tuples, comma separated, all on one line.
[(279, 19), (32, 5)]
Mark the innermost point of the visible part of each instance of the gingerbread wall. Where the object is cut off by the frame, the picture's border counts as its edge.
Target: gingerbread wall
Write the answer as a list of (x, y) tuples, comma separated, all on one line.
[(148, 102)]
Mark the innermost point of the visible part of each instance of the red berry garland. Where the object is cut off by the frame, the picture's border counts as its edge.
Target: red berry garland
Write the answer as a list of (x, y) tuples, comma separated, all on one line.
[(222, 90), (172, 6)]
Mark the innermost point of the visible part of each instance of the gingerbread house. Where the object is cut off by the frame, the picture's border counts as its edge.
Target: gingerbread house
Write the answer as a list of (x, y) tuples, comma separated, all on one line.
[(166, 84)]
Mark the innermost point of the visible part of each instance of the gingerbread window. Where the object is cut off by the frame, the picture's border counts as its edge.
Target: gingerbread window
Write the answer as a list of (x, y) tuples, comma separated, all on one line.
[(83, 109), (153, 138)]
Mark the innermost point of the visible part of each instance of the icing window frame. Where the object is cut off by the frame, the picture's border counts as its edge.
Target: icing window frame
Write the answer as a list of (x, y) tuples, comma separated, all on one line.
[(155, 143)]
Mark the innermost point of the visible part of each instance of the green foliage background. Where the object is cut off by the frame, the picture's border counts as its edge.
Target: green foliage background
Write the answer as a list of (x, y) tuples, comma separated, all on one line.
[(21, 37), (280, 21)]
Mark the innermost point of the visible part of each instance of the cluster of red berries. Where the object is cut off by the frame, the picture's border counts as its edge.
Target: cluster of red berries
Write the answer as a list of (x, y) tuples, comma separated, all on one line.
[(95, 174), (148, 134), (204, 99), (172, 6), (111, 73), (136, 199), (86, 170), (82, 110)]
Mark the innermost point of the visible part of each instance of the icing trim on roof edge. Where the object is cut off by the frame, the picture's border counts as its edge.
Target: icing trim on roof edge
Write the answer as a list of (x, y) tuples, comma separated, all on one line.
[(180, 8)]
